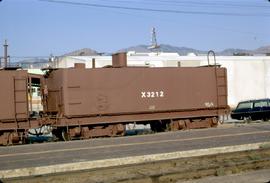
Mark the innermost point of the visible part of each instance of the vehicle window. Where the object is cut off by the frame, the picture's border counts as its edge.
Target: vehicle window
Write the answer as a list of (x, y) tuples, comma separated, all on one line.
[(244, 105), (260, 104)]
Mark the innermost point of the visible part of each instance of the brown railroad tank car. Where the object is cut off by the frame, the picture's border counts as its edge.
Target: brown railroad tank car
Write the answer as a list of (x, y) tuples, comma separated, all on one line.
[(116, 91), (98, 102)]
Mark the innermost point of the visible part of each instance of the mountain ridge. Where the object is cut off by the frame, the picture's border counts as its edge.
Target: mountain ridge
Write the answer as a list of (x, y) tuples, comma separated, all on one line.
[(186, 50), (142, 48)]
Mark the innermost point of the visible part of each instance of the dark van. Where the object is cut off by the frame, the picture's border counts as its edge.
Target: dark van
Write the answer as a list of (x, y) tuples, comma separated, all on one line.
[(252, 109)]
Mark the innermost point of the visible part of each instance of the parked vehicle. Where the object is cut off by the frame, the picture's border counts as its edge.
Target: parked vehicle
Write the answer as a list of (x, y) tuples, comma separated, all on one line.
[(253, 110)]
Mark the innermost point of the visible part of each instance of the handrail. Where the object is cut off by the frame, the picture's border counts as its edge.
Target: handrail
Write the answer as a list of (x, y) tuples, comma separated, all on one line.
[(213, 53)]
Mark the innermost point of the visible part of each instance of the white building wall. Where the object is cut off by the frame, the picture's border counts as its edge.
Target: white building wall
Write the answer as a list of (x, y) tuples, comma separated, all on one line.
[(69, 61), (248, 77), (267, 77), (161, 60), (245, 81)]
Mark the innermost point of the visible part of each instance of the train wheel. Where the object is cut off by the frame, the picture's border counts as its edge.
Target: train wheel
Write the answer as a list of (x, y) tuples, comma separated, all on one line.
[(158, 126), (118, 130), (214, 122), (13, 138), (57, 134), (4, 138), (265, 119), (177, 125), (65, 135)]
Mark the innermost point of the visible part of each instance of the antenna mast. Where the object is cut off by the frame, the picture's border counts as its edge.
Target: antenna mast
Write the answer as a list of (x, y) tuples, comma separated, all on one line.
[(5, 57), (5, 53), (154, 44)]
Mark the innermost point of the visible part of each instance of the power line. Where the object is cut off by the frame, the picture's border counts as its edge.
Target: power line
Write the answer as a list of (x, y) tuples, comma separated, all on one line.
[(214, 3), (188, 4), (154, 10), (219, 4)]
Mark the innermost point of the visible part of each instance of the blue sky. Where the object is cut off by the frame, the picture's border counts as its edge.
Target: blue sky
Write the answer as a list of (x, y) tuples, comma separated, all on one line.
[(38, 28)]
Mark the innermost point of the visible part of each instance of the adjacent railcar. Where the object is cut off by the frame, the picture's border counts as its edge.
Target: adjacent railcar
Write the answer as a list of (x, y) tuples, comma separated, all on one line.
[(14, 107)]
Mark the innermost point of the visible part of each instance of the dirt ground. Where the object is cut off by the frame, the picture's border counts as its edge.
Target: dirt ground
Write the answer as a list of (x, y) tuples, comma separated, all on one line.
[(257, 176)]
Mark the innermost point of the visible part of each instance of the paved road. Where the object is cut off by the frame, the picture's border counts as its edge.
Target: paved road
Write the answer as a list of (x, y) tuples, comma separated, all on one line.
[(95, 149)]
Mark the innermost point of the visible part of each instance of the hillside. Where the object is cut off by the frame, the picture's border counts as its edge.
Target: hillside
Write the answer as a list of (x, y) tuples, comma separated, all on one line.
[(82, 52), (186, 50)]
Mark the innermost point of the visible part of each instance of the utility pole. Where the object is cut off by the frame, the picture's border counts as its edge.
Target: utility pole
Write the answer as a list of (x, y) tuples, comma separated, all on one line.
[(5, 53)]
